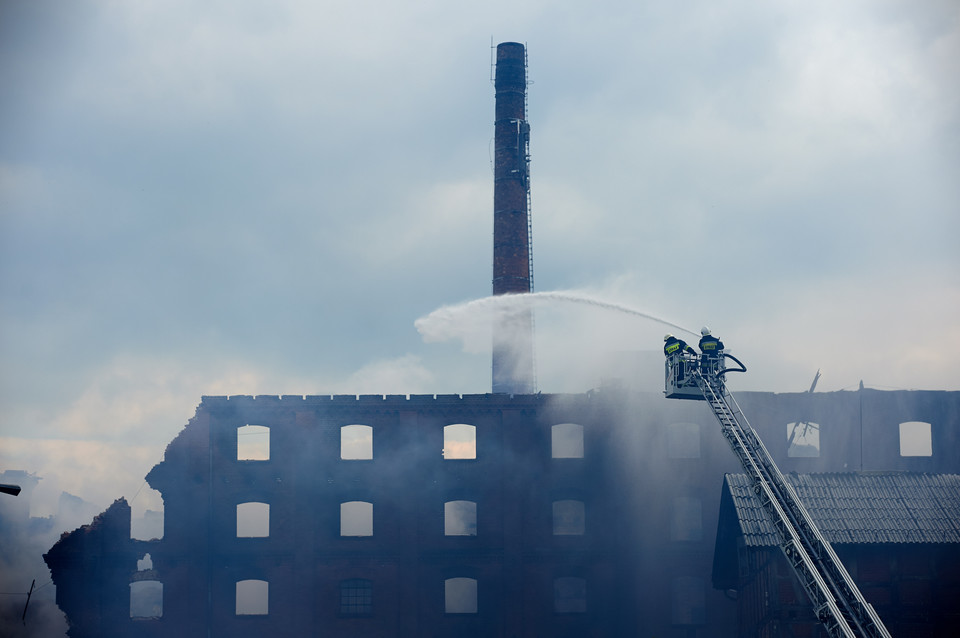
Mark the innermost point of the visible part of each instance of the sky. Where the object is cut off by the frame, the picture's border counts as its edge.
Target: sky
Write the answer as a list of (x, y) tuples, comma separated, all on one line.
[(227, 198)]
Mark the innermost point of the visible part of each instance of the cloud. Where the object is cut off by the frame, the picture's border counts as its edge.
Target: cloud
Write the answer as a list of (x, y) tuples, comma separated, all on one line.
[(263, 198)]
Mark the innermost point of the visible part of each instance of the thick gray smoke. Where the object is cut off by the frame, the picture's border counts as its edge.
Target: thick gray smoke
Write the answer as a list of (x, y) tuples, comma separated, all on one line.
[(23, 540)]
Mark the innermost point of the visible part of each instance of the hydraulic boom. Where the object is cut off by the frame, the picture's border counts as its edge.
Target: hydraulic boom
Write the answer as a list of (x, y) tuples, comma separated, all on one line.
[(837, 601)]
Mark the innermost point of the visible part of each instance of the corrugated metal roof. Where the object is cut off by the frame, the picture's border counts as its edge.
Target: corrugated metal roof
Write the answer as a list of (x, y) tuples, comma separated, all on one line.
[(885, 507)]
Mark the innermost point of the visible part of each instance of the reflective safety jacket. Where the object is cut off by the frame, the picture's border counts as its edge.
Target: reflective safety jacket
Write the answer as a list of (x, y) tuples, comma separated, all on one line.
[(675, 346), (710, 346)]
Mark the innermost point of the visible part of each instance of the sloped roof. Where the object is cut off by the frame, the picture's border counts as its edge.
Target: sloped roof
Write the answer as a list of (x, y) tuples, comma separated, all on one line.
[(857, 508)]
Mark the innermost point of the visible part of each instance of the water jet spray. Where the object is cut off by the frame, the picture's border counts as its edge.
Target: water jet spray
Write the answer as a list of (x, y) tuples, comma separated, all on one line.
[(443, 323)]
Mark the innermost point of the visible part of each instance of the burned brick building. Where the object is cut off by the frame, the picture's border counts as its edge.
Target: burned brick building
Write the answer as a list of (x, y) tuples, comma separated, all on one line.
[(509, 514), (489, 515)]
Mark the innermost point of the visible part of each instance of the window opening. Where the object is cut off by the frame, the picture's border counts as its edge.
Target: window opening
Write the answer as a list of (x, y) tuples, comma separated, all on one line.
[(569, 595), (915, 439), (569, 518), (145, 564), (460, 596), (460, 518), (683, 441), (459, 441), (253, 443), (253, 598), (146, 516), (146, 598), (253, 520), (803, 439), (356, 597), (356, 518), (356, 443), (687, 520), (567, 441)]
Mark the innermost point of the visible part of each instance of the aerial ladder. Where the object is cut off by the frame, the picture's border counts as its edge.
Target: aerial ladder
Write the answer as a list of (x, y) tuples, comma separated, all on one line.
[(837, 602)]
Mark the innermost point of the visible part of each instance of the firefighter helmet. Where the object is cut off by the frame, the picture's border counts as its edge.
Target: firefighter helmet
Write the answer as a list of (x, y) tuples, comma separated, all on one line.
[(705, 331), (667, 336)]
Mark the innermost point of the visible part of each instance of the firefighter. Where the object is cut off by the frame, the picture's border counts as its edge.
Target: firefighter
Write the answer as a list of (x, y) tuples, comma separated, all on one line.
[(673, 348), (711, 349), (709, 345)]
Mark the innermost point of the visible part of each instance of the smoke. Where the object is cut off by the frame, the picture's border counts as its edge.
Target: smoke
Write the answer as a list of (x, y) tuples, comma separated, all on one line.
[(41, 618), (22, 543)]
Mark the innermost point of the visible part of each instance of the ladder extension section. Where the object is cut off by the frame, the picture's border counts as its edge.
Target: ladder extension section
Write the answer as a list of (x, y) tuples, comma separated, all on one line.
[(837, 601)]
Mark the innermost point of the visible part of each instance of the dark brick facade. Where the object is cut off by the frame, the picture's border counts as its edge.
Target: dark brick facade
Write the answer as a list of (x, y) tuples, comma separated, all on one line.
[(637, 561)]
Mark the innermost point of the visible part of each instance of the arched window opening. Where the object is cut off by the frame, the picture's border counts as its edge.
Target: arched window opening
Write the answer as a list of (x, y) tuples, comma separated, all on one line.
[(253, 443), (356, 597), (460, 596), (146, 599), (253, 520), (460, 518), (803, 439), (356, 518), (683, 441), (146, 516), (459, 441), (569, 518), (253, 598), (916, 439), (569, 595), (686, 523), (567, 441), (356, 443)]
